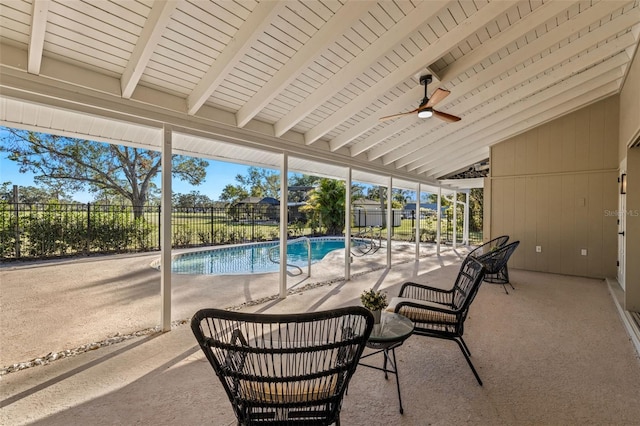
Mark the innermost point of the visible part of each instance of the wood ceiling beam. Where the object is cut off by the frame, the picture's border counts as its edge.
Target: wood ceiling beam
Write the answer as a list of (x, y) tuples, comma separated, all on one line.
[(548, 79), (39, 14), (429, 55), (512, 117), (550, 39), (339, 23), (537, 17), (478, 154), (540, 105), (538, 67), (541, 14), (372, 121), (362, 62), (151, 35), (259, 19)]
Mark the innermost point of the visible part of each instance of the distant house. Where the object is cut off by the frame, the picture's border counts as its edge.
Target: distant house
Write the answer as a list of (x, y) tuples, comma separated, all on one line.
[(368, 212), (256, 208), (427, 208)]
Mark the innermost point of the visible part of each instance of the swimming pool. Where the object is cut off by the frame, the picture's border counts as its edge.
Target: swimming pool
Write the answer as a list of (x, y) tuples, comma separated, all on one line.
[(252, 258)]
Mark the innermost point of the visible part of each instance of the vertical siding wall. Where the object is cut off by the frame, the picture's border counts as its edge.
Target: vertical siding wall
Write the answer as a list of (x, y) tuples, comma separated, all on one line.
[(555, 186)]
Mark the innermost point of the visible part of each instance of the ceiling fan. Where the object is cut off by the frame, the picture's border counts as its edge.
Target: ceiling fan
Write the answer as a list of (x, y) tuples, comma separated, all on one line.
[(425, 110)]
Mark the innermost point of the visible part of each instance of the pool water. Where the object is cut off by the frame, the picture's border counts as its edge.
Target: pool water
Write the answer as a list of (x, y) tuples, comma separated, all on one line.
[(252, 258)]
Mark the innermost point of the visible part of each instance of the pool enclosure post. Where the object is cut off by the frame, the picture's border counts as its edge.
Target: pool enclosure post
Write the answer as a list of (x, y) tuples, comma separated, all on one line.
[(284, 197), (389, 221), (455, 219), (347, 227), (438, 220), (417, 222), (465, 226), (165, 238)]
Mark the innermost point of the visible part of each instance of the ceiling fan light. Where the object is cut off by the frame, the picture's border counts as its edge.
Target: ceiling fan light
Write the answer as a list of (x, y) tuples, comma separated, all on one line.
[(425, 113)]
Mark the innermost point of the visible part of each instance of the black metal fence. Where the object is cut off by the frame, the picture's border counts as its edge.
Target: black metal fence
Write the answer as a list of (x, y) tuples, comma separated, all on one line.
[(35, 231)]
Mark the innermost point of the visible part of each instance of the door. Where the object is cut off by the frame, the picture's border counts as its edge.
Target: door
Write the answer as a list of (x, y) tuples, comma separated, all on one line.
[(622, 217)]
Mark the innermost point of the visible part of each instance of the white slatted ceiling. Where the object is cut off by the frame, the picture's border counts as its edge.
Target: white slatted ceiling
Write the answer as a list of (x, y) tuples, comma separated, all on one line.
[(69, 123), (15, 22), (82, 32), (101, 36)]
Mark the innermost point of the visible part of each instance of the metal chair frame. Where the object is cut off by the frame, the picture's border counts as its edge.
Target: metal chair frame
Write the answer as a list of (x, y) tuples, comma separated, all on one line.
[(288, 369), (441, 313)]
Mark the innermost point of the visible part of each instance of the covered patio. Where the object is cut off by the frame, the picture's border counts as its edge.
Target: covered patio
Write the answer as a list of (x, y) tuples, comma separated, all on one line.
[(548, 92)]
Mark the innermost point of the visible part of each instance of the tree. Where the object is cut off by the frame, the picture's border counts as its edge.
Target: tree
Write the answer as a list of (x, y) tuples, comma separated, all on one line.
[(256, 183), (104, 168), (233, 193), (192, 199), (32, 194), (297, 179), (260, 182), (326, 203), (476, 201)]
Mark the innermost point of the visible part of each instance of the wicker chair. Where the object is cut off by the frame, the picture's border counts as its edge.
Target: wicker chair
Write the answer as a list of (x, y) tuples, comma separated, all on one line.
[(495, 262), (489, 246), (441, 313), (290, 369)]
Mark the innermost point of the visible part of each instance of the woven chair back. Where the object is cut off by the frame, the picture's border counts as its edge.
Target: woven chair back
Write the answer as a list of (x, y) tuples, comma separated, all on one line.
[(489, 246), (467, 283), (495, 260), (284, 369)]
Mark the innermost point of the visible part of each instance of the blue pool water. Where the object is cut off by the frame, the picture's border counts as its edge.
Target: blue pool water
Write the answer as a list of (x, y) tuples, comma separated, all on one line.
[(252, 258)]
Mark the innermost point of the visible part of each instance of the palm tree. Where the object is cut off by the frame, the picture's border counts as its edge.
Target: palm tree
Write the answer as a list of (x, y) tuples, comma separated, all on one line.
[(326, 204)]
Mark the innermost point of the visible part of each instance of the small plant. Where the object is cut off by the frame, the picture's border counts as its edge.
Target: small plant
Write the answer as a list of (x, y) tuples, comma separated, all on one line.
[(373, 300)]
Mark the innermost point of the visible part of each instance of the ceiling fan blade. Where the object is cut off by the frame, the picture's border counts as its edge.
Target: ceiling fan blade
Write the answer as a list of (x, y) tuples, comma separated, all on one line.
[(446, 117), (437, 96), (389, 117)]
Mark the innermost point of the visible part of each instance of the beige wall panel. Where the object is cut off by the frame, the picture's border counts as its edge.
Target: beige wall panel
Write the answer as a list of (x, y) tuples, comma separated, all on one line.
[(569, 143), (581, 222), (498, 195), (630, 107), (531, 165), (595, 213), (502, 193), (567, 224), (521, 159), (542, 223), (611, 134), (582, 139), (554, 225), (609, 224), (596, 136), (504, 156), (530, 222), (544, 136), (486, 208), (519, 226), (554, 150), (558, 191)]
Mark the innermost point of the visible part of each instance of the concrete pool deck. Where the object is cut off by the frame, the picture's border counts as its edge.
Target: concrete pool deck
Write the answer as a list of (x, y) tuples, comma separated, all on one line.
[(57, 305)]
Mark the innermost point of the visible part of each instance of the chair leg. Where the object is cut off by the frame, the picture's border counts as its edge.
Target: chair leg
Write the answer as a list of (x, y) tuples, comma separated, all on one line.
[(464, 347), (466, 356)]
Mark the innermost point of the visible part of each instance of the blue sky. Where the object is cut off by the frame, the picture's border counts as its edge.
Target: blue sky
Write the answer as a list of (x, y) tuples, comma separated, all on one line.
[(219, 175)]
